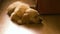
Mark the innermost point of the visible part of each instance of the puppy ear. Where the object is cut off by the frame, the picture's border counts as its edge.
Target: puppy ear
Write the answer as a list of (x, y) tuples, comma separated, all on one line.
[(11, 8), (10, 11)]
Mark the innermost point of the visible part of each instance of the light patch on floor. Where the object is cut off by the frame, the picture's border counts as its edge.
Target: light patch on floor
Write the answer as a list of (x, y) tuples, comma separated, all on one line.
[(11, 28)]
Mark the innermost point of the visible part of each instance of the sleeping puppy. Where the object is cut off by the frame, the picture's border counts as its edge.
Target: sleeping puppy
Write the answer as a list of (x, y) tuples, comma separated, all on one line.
[(21, 13)]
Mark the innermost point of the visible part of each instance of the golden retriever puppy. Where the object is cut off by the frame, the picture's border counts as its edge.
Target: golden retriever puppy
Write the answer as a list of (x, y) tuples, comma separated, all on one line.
[(21, 13)]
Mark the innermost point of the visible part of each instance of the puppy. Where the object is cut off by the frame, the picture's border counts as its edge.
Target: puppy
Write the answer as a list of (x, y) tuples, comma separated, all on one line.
[(21, 13)]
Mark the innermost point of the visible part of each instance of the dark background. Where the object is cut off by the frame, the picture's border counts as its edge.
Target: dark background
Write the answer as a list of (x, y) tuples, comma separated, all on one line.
[(49, 6)]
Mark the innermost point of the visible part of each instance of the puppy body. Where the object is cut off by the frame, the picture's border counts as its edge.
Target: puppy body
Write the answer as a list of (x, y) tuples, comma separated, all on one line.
[(23, 14)]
